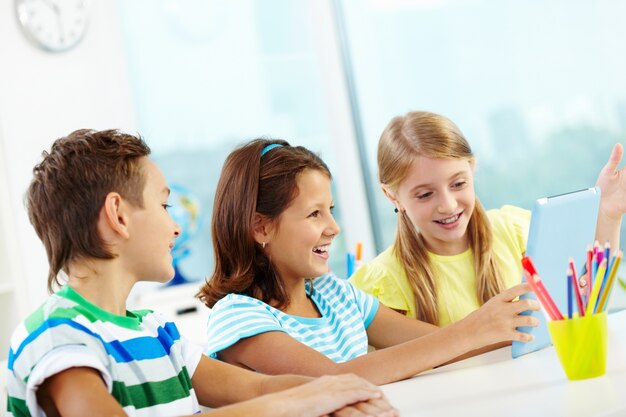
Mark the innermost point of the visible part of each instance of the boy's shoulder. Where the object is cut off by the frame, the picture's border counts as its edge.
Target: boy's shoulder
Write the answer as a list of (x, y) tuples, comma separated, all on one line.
[(66, 306), (67, 319), (56, 307)]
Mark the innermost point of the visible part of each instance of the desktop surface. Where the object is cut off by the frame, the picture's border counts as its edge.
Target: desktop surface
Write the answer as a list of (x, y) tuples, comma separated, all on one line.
[(494, 384)]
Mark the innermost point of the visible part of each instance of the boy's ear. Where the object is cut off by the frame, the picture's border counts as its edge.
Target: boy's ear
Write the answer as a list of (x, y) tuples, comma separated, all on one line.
[(391, 196), (114, 215), (262, 228)]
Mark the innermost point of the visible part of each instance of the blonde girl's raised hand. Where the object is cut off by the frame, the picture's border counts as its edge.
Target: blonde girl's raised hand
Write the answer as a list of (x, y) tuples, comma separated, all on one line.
[(612, 183)]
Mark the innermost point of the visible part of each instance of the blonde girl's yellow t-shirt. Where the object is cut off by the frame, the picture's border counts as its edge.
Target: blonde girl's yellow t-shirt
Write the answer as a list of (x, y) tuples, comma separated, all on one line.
[(385, 278)]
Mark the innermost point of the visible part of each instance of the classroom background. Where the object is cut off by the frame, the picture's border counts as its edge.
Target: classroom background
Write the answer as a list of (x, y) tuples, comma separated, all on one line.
[(538, 89)]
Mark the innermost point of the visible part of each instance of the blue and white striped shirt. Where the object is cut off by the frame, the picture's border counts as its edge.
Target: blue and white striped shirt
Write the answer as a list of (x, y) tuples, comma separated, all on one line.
[(141, 357), (339, 334)]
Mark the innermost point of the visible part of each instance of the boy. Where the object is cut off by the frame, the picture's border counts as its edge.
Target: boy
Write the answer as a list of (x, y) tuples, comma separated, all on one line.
[(99, 205)]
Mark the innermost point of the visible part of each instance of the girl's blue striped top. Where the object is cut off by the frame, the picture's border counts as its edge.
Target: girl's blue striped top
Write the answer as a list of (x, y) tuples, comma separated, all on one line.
[(340, 333)]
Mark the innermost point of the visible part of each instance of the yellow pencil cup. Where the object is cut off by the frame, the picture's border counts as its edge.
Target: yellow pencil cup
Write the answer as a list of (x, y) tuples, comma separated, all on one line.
[(581, 345)]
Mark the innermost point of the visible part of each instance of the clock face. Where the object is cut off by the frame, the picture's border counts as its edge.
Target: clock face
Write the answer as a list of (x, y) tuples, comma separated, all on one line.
[(54, 25)]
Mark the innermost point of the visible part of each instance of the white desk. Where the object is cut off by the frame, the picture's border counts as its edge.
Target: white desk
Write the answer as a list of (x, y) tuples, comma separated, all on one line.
[(493, 384)]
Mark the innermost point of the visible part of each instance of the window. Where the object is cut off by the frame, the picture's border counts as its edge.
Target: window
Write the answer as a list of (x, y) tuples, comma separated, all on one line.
[(211, 75), (538, 89)]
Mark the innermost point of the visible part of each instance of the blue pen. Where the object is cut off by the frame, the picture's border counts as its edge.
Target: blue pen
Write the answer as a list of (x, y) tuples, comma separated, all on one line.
[(350, 259), (569, 295)]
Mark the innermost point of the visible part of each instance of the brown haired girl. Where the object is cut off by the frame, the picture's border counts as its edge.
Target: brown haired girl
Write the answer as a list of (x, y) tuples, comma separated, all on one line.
[(276, 308)]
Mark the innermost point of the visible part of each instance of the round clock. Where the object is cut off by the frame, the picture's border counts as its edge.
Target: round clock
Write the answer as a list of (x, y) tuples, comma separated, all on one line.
[(54, 25)]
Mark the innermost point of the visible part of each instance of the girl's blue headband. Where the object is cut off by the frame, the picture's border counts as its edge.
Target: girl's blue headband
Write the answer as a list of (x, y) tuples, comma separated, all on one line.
[(269, 147)]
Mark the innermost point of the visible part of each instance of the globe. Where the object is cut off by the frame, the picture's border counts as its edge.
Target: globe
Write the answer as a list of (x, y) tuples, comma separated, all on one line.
[(185, 211)]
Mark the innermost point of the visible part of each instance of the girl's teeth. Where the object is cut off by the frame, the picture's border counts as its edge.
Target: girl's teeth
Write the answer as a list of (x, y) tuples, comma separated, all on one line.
[(320, 249), (450, 220)]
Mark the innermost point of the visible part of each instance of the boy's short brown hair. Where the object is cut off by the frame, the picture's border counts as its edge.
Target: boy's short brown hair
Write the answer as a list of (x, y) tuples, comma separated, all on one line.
[(70, 185)]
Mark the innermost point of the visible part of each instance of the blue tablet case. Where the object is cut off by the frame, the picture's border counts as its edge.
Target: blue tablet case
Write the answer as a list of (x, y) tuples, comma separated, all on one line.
[(561, 227)]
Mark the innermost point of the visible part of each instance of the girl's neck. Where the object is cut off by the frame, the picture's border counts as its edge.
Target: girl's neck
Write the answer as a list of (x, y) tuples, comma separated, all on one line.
[(447, 248), (300, 303)]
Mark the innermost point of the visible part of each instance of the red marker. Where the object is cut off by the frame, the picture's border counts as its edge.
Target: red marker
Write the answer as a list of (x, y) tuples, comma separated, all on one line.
[(540, 290)]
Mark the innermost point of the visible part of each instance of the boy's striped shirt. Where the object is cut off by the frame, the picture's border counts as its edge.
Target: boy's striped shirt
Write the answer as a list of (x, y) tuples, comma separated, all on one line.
[(141, 357), (340, 333)]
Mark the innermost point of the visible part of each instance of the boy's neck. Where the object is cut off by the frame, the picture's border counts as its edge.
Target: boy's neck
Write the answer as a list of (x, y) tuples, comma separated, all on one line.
[(103, 283)]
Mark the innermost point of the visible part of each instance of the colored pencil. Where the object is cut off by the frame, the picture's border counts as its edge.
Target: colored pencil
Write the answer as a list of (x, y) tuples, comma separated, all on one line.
[(540, 290), (591, 304), (359, 254), (350, 264), (579, 298), (603, 304), (569, 294), (588, 273)]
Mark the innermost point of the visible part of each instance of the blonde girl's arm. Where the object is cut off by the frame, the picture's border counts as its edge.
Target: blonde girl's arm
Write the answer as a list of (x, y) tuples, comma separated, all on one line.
[(495, 321), (612, 183)]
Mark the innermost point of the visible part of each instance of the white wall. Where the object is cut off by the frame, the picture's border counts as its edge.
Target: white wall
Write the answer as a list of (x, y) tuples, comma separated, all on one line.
[(44, 96)]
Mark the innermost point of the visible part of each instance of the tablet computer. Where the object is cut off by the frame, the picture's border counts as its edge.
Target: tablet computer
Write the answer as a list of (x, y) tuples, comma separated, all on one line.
[(561, 227)]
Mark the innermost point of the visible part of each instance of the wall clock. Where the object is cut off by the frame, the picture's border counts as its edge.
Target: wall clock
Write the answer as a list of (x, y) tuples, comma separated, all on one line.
[(53, 25)]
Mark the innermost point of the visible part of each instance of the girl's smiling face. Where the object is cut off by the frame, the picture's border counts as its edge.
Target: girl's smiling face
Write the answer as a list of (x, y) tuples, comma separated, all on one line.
[(299, 242), (438, 197)]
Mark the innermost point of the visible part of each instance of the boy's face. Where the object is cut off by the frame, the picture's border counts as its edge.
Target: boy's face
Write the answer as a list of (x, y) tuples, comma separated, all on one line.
[(151, 229)]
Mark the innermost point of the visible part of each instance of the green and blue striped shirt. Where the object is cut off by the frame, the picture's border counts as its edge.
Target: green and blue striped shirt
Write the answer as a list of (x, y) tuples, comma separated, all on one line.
[(141, 357)]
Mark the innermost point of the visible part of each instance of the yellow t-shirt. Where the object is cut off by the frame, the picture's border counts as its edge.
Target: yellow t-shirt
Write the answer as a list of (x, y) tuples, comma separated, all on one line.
[(385, 278)]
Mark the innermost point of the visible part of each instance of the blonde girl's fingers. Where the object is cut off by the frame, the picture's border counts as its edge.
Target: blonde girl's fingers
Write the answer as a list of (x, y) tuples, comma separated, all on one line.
[(525, 304), (526, 321), (520, 336), (614, 159), (511, 293)]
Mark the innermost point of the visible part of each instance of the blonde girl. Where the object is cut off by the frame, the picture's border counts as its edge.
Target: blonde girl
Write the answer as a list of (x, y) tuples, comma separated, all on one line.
[(451, 256)]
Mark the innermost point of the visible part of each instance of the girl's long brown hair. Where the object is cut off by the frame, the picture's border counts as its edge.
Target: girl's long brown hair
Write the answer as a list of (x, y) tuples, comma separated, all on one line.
[(252, 183), (433, 136)]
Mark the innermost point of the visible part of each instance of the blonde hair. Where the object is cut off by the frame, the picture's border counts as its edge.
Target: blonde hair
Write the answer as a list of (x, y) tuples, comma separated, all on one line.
[(432, 136)]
